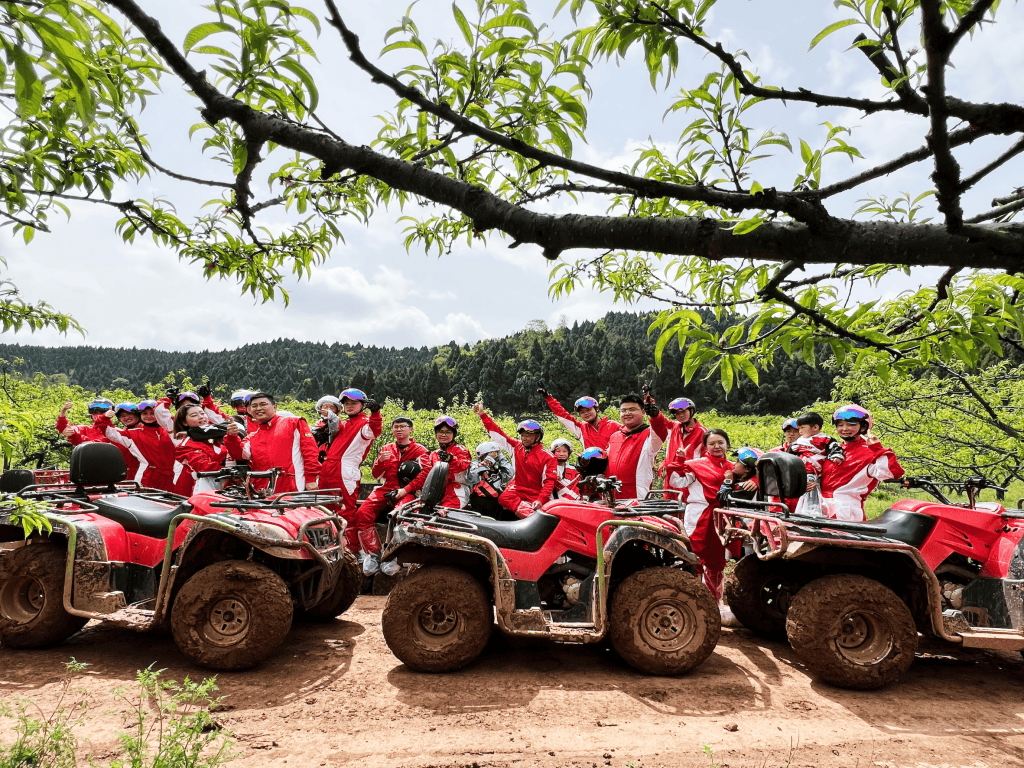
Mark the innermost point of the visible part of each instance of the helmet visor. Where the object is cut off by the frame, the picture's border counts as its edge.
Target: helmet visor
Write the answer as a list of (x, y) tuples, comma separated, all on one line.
[(529, 426), (681, 404), (352, 394), (593, 453), (129, 407), (144, 404), (586, 402), (850, 413), (445, 421), (99, 407)]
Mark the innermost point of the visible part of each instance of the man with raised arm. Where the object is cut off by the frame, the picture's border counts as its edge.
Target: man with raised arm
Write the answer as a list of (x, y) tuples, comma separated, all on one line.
[(590, 428), (536, 468), (632, 449)]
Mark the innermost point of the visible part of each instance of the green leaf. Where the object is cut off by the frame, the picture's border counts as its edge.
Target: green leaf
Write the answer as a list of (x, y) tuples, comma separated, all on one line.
[(203, 31), (830, 29), (460, 19)]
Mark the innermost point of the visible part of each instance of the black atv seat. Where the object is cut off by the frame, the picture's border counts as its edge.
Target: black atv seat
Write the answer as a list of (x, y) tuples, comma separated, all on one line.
[(526, 535), (909, 527), (142, 516)]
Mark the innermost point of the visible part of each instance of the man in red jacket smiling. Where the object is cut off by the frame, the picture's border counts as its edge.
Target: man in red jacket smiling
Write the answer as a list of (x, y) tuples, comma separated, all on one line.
[(281, 441), (632, 449)]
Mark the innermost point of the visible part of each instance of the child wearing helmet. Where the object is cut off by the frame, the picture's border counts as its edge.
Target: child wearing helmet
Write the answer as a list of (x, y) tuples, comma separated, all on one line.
[(456, 490), (489, 475), (866, 462), (536, 470), (588, 425), (685, 441), (790, 434), (815, 450), (567, 484), (328, 407)]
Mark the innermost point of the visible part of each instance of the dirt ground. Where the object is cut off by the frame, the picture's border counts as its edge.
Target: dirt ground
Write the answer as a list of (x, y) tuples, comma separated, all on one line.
[(334, 695)]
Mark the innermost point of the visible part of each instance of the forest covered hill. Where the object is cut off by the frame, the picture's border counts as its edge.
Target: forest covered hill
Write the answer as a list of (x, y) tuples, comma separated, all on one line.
[(607, 358)]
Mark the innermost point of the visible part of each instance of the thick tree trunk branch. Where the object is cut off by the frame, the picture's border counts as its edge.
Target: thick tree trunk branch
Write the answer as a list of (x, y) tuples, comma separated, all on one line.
[(947, 171), (846, 242)]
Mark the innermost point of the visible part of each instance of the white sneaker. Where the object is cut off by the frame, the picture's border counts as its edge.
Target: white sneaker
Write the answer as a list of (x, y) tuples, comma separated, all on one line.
[(728, 617), (391, 568), (371, 564)]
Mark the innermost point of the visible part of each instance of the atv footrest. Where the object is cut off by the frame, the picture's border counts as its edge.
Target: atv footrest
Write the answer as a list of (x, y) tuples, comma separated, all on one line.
[(993, 639)]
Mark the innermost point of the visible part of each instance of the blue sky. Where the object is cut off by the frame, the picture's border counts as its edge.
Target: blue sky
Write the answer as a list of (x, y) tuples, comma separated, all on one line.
[(371, 290)]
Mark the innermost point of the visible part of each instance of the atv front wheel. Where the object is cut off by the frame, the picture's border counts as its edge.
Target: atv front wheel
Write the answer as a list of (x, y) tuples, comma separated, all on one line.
[(32, 611), (346, 590), (438, 619), (759, 593), (852, 631), (664, 621), (231, 615)]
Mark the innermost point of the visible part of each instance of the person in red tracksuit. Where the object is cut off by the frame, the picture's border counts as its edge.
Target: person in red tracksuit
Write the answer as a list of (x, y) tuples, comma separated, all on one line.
[(84, 433), (591, 428), (150, 444), (385, 467), (201, 447), (341, 470), (567, 484), (632, 449), (685, 441), (536, 470), (456, 490), (866, 462), (281, 441), (703, 479)]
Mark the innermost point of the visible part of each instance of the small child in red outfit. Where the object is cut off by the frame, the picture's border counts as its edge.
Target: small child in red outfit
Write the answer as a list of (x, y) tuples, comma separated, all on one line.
[(814, 449)]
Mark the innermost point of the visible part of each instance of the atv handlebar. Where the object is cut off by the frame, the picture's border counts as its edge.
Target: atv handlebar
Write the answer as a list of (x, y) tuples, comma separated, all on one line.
[(971, 486)]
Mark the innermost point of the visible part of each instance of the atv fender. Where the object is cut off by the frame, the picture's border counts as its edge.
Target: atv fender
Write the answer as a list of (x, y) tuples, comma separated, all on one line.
[(624, 534)]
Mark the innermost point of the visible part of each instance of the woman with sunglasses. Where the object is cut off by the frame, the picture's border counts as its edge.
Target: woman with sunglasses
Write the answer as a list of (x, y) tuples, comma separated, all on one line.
[(866, 462), (148, 443), (588, 426), (456, 490)]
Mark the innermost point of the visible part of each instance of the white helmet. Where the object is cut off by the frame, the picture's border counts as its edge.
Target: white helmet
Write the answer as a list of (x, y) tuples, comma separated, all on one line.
[(238, 396), (488, 447), (328, 400), (560, 441)]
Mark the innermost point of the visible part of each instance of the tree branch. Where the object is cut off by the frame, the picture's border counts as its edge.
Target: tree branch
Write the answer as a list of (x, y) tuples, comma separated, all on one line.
[(968, 20), (996, 213), (982, 172), (947, 171)]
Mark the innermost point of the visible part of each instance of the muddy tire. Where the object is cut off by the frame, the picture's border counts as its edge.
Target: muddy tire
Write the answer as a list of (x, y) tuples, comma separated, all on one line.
[(231, 615), (759, 593), (438, 619), (32, 611), (664, 621), (852, 631), (350, 582)]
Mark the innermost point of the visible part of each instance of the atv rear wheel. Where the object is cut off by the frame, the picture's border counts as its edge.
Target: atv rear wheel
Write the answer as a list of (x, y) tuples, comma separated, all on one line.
[(346, 590), (438, 619), (759, 593), (852, 631), (231, 615), (664, 621), (32, 611)]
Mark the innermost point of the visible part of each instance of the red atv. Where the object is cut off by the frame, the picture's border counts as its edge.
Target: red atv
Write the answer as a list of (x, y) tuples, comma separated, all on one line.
[(226, 570), (572, 572), (852, 597)]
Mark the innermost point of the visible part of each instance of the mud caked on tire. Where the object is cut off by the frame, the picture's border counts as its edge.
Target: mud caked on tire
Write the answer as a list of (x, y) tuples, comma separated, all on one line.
[(32, 611), (664, 621), (231, 615), (759, 593), (852, 631), (438, 619), (346, 590)]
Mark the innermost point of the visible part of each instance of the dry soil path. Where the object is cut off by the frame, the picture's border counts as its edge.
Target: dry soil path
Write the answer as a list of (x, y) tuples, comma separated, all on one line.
[(334, 695)]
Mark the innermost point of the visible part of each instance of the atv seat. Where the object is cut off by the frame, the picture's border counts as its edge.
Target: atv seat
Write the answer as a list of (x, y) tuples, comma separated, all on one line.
[(527, 535), (909, 527), (142, 516)]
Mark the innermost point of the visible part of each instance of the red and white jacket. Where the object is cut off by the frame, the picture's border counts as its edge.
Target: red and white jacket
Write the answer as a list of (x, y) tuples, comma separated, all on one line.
[(631, 457), (153, 449), (456, 489), (591, 435), (192, 456), (93, 433), (567, 482), (390, 458), (691, 441), (536, 469), (844, 487), (347, 452), (285, 442)]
